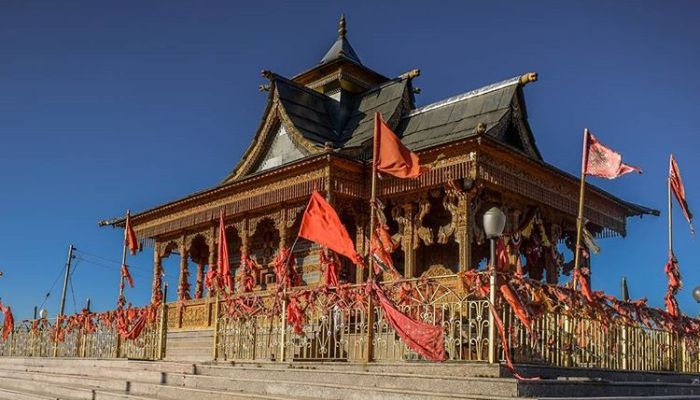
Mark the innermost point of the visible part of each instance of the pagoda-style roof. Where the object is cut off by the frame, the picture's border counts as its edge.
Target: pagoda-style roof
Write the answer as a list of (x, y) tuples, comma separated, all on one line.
[(332, 105)]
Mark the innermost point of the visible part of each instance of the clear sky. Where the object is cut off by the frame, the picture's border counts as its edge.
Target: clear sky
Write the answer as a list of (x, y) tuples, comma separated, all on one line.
[(109, 105)]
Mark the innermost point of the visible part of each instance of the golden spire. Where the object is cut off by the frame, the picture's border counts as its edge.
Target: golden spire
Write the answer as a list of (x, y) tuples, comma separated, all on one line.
[(341, 27)]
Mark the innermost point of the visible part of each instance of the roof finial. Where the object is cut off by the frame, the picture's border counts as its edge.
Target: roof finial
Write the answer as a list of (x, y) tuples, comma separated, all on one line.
[(341, 27)]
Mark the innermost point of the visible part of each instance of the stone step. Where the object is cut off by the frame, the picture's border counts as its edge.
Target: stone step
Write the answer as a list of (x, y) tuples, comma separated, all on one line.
[(7, 394), (218, 377), (504, 387), (79, 387)]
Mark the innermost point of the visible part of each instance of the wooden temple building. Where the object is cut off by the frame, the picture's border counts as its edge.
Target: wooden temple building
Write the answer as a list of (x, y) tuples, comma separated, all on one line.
[(316, 134)]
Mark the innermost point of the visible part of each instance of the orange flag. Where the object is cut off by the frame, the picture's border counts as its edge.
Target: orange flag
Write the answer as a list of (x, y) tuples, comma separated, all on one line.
[(321, 224), (390, 155), (604, 162), (224, 266), (131, 240), (674, 178)]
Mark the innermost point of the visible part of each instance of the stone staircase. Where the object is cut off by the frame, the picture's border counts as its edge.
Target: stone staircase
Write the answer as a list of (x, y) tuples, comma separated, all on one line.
[(91, 379)]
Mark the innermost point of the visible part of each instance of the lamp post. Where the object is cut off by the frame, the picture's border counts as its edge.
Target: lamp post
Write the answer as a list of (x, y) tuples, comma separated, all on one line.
[(494, 223), (696, 293)]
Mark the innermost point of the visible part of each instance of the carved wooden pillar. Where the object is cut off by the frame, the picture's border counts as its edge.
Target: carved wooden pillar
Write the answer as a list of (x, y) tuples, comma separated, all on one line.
[(156, 292), (361, 243), (211, 243), (407, 240), (281, 225), (183, 281), (245, 236), (463, 237)]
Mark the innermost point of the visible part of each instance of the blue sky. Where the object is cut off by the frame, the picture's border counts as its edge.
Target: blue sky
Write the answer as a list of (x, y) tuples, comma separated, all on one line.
[(112, 105)]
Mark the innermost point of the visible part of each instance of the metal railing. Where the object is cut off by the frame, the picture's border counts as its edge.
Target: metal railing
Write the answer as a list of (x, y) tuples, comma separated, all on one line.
[(344, 324), (38, 338)]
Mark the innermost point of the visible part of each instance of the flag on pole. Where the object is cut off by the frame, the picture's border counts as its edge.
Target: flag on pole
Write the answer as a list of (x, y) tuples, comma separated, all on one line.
[(321, 224), (223, 265), (127, 275), (392, 156), (131, 240), (676, 183), (604, 162)]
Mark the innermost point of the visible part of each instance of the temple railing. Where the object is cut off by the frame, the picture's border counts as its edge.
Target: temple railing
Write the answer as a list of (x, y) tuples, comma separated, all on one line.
[(562, 340), (337, 330), (39, 338), (346, 324), (337, 327)]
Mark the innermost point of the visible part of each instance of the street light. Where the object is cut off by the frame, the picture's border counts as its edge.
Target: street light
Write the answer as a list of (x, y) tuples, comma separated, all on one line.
[(42, 313), (696, 294), (494, 223)]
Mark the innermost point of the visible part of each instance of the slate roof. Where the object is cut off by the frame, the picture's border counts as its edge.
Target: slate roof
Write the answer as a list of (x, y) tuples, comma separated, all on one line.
[(316, 116), (386, 99), (341, 49), (311, 113), (457, 117)]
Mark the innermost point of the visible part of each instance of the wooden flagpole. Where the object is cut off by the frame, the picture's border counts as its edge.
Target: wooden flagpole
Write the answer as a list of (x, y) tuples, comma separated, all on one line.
[(120, 301), (579, 219), (670, 213)]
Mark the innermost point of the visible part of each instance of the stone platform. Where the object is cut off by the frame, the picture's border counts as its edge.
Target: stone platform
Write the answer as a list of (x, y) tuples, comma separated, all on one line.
[(46, 378)]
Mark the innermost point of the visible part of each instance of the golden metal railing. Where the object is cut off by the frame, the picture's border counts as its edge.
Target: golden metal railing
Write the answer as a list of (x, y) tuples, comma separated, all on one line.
[(337, 326), (336, 329), (104, 342), (568, 341)]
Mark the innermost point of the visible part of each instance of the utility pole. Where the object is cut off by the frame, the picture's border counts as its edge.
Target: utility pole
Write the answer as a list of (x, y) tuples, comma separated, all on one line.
[(65, 280), (63, 296)]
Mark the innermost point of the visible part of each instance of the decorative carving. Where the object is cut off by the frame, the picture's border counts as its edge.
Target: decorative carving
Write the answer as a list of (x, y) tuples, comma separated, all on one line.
[(423, 233), (437, 270)]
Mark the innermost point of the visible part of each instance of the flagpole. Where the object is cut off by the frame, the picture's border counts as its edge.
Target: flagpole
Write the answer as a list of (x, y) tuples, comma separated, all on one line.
[(579, 219), (370, 262), (670, 216), (373, 195), (121, 274)]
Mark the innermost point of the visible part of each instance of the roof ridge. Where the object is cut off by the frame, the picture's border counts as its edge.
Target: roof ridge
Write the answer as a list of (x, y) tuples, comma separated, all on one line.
[(299, 86), (472, 93)]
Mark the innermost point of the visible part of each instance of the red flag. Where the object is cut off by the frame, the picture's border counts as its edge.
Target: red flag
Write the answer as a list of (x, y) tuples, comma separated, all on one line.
[(391, 156), (603, 162), (322, 225), (127, 275), (423, 338), (224, 267), (676, 183), (9, 323), (131, 240)]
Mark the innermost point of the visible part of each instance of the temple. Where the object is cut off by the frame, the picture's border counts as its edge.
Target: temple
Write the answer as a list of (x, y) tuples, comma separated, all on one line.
[(510, 305), (316, 134)]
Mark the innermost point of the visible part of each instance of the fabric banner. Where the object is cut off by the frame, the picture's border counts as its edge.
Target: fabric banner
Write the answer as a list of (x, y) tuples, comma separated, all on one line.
[(676, 183), (127, 275), (321, 224), (9, 321), (425, 339), (131, 240), (224, 266), (603, 162), (391, 156)]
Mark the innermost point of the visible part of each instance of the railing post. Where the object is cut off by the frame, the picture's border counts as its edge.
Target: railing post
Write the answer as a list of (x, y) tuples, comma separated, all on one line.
[(370, 330), (161, 330), (83, 343), (12, 341), (625, 362), (118, 345), (283, 329), (215, 348)]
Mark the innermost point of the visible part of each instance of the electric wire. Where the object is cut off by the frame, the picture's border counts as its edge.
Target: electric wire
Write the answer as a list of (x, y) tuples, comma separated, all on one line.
[(52, 287)]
